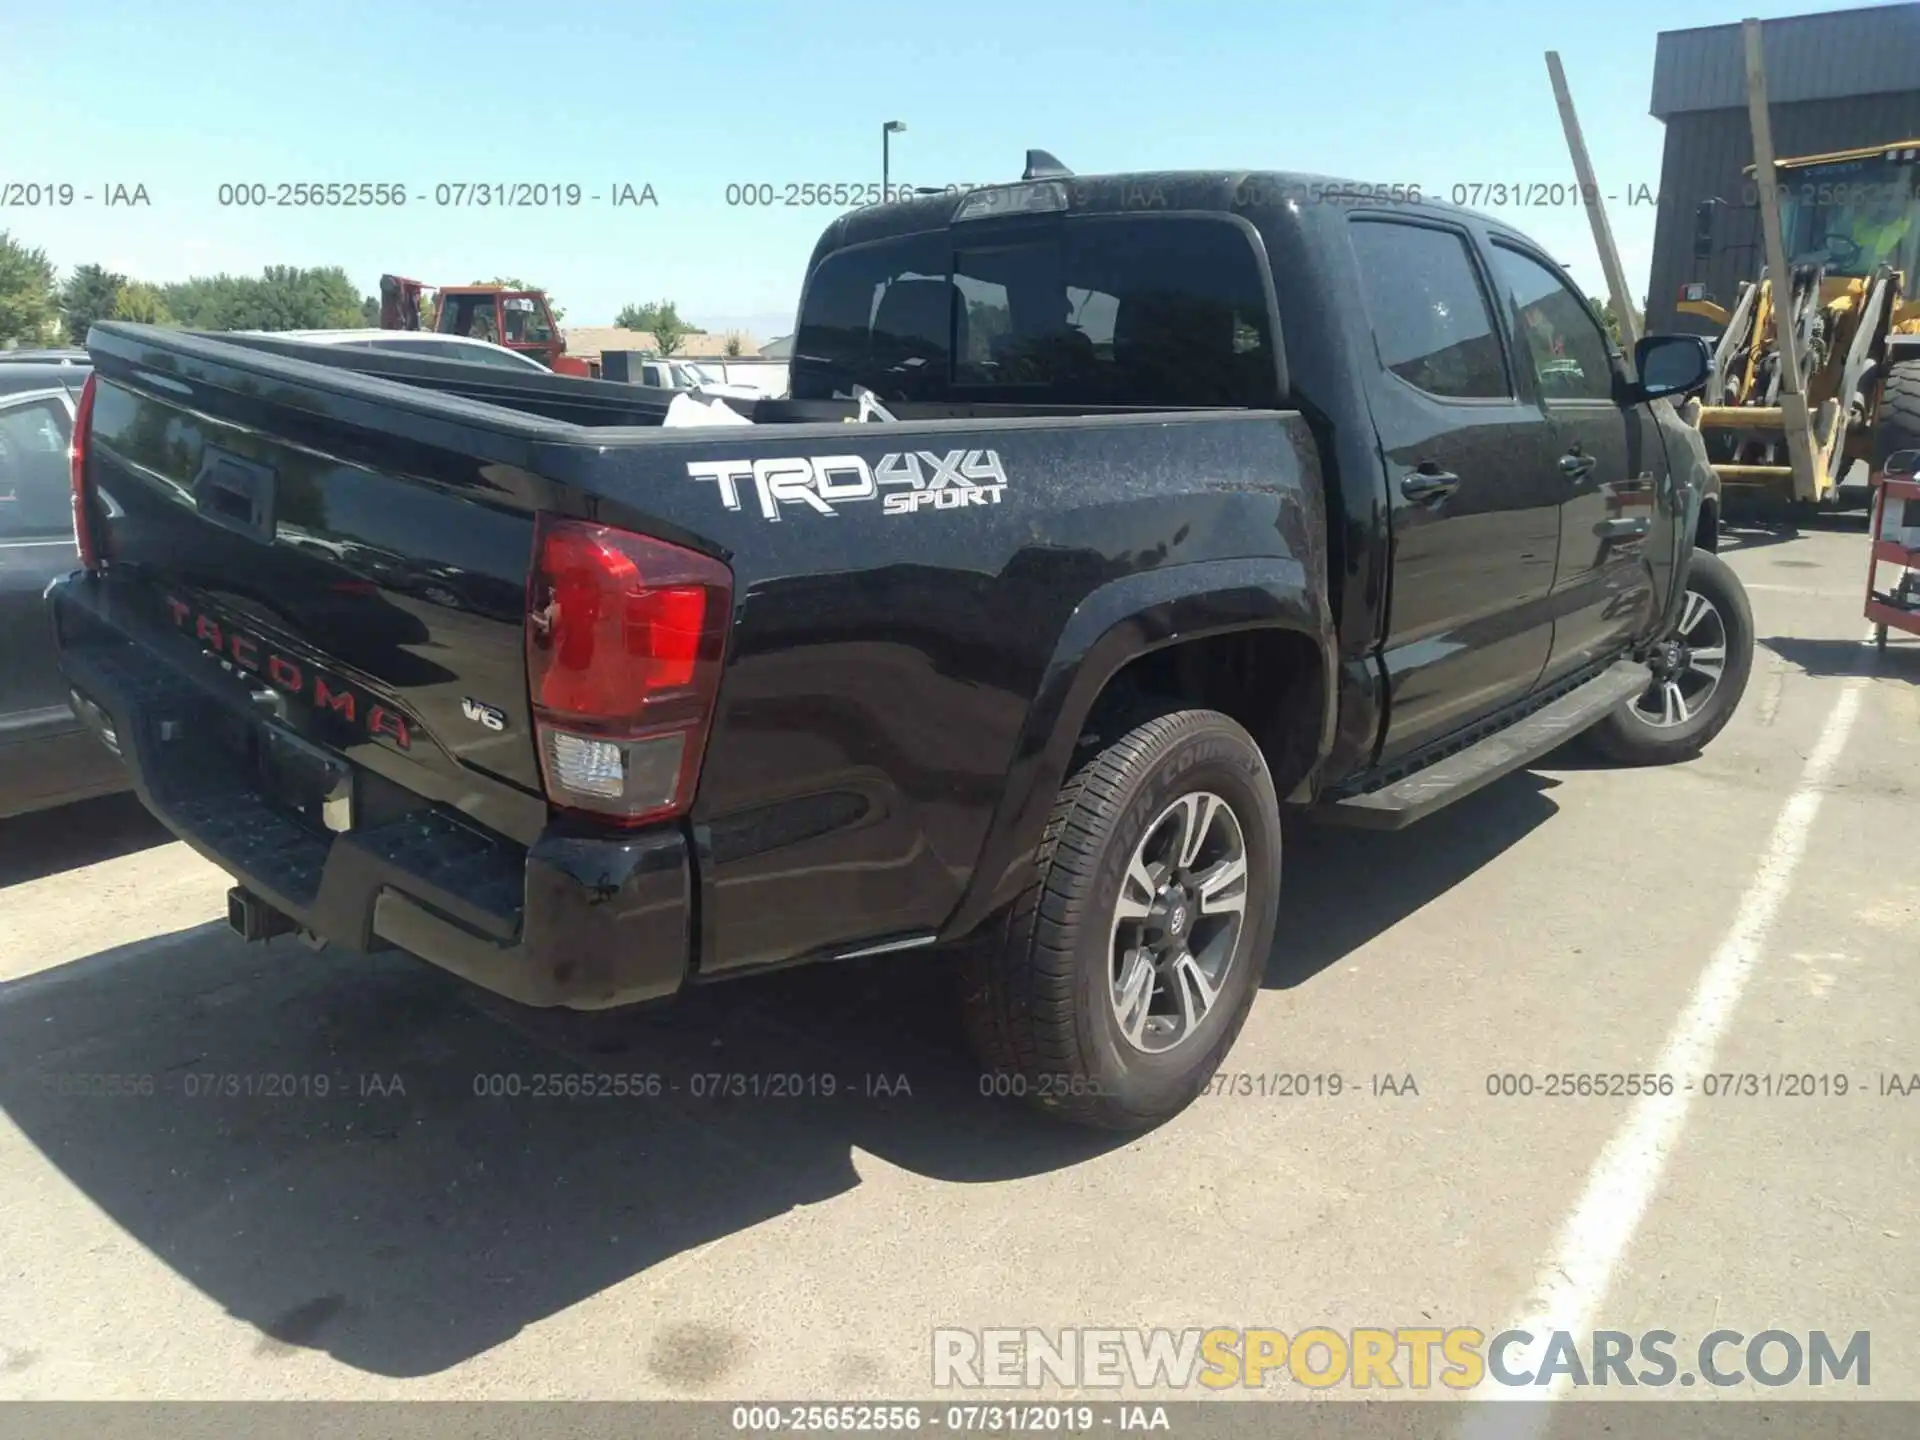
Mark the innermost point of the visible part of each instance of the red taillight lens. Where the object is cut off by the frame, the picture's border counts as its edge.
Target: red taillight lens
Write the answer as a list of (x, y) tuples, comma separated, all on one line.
[(625, 636), (82, 423)]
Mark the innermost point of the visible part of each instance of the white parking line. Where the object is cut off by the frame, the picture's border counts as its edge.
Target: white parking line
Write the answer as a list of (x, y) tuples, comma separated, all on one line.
[(1571, 1286)]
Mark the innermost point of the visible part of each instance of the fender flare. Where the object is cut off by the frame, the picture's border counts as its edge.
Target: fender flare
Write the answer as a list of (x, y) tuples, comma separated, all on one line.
[(1114, 625)]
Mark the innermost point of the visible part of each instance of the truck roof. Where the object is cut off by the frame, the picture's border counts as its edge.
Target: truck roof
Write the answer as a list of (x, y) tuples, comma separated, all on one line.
[(1144, 192)]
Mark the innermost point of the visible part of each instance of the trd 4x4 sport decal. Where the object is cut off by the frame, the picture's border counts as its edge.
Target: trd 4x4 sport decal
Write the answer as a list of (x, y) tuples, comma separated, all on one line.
[(824, 483)]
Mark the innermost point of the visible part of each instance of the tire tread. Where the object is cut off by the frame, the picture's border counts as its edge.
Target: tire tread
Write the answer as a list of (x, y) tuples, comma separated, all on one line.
[(1018, 980)]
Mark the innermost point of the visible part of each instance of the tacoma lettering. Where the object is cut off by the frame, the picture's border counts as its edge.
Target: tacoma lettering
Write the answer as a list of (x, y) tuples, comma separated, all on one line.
[(336, 697)]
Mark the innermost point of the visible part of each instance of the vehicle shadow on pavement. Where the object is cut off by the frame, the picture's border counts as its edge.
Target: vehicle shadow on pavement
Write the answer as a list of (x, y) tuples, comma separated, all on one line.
[(1753, 537), (1847, 657), (1743, 532), (347, 1154), (1341, 887), (85, 833)]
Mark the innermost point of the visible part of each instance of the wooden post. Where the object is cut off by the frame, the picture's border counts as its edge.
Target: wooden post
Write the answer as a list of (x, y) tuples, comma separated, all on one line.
[(1596, 210), (1793, 403)]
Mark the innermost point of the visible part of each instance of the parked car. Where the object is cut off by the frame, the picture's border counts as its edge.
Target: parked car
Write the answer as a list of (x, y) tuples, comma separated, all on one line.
[(763, 377), (670, 375), (689, 375), (47, 757), (416, 342), (1168, 515), (60, 355)]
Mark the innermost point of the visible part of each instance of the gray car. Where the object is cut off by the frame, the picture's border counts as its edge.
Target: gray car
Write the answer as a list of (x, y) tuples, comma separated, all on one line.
[(47, 757)]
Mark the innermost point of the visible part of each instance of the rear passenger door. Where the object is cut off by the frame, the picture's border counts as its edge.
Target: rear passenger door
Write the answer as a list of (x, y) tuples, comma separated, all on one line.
[(1607, 456), (1473, 488)]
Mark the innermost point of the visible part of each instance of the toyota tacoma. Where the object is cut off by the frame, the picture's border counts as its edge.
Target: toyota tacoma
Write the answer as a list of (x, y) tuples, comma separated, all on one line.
[(1107, 518)]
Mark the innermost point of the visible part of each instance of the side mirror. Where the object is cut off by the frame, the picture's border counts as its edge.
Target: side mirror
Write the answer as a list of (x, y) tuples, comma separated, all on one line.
[(1703, 230), (1670, 365)]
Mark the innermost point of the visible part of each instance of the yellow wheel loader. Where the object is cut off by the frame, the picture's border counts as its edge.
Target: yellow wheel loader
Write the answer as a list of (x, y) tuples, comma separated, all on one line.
[(1850, 229)]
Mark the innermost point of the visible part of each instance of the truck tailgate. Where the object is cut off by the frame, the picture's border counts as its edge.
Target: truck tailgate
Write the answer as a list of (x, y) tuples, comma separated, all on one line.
[(321, 543)]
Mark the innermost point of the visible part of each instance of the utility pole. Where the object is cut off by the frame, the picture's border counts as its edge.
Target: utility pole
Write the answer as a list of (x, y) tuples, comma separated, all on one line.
[(887, 132), (1793, 402), (1596, 211)]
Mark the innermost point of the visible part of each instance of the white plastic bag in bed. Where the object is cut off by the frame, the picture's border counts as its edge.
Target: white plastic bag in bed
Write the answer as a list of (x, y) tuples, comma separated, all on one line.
[(692, 408)]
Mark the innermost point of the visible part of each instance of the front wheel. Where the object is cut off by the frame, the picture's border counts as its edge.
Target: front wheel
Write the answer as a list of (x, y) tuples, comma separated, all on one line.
[(1126, 969), (1699, 674)]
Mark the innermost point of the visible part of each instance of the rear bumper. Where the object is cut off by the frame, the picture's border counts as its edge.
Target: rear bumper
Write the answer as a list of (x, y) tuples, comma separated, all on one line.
[(574, 920)]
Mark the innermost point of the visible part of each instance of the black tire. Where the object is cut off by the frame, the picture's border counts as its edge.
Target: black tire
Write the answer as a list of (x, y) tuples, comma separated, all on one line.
[(1896, 424), (1038, 989), (1629, 737)]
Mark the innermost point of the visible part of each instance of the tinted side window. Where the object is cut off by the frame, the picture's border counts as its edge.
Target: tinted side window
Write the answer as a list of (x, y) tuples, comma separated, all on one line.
[(1564, 341), (1430, 316), (35, 487)]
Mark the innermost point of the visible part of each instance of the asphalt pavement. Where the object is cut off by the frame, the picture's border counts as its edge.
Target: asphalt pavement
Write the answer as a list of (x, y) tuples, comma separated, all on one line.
[(314, 1175)]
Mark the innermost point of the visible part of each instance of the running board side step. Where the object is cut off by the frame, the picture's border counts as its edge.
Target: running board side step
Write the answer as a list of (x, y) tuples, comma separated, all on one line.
[(1418, 795)]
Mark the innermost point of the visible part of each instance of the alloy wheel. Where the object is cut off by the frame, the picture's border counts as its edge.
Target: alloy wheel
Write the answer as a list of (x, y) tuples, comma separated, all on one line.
[(1178, 921)]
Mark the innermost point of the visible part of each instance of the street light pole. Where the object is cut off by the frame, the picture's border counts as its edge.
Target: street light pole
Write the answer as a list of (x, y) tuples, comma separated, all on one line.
[(887, 132)]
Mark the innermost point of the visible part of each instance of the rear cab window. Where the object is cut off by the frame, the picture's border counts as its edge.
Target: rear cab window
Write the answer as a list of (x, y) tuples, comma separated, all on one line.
[(1161, 312)]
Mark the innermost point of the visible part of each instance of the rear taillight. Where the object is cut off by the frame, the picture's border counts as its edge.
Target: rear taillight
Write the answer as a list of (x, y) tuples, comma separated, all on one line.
[(82, 423), (625, 636)]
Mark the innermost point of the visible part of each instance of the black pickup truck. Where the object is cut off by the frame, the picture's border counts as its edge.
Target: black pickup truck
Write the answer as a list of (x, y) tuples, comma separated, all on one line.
[(1174, 500)]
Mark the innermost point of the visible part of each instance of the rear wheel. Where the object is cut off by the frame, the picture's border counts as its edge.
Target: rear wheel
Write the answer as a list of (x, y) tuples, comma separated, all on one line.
[(1699, 674), (1124, 972)]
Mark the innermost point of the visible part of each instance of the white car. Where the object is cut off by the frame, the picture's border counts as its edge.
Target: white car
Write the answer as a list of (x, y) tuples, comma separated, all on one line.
[(691, 375), (424, 343)]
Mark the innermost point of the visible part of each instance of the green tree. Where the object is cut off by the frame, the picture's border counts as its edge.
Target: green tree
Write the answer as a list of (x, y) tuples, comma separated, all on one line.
[(142, 304), (88, 295), (29, 303), (1608, 317), (634, 317), (1611, 317), (370, 312), (203, 302), (282, 297), (508, 283), (733, 347), (661, 319)]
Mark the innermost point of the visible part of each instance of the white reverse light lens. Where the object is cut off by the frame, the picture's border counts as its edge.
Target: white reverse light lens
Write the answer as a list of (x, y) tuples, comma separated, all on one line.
[(622, 777), (587, 767)]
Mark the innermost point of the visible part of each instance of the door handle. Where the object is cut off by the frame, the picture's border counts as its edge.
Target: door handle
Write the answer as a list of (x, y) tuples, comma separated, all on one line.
[(1419, 485), (1576, 466)]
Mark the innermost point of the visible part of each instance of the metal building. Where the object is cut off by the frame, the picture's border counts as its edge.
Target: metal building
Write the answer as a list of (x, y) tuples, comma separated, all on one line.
[(1836, 81)]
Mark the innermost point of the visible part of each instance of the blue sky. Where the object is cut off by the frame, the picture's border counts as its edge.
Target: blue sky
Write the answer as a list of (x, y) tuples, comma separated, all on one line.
[(691, 98)]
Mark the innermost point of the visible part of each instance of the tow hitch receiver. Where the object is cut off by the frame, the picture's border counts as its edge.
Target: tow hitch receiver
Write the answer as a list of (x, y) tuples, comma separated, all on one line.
[(253, 919)]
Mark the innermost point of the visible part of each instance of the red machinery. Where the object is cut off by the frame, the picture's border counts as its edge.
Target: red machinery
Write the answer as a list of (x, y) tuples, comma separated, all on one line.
[(514, 319), (1894, 540)]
